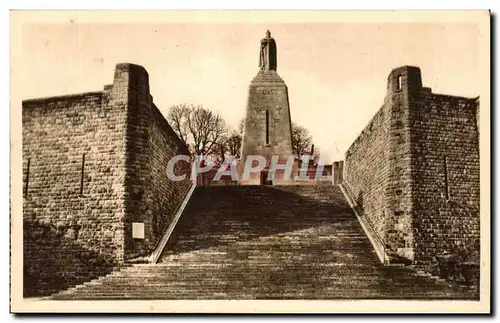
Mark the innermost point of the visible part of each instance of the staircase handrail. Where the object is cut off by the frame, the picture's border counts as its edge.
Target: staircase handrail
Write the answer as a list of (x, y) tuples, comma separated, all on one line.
[(155, 255), (364, 220)]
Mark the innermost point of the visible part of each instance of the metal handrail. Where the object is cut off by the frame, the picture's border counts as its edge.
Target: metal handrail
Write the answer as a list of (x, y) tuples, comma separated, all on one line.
[(367, 221), (153, 258)]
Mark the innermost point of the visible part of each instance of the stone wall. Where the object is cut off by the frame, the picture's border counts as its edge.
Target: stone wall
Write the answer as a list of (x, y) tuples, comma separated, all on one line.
[(366, 170), (74, 165), (445, 163), (87, 158), (152, 197), (414, 171)]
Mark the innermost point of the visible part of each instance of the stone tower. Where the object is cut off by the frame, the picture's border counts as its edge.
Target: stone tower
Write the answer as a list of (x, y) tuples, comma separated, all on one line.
[(267, 124)]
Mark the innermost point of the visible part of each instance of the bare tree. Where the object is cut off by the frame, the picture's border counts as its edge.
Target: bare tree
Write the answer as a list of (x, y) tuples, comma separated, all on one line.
[(200, 129), (206, 133), (301, 140), (177, 117), (207, 130), (233, 144), (302, 143)]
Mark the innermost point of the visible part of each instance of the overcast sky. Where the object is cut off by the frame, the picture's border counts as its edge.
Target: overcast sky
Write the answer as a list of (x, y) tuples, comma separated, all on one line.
[(336, 73)]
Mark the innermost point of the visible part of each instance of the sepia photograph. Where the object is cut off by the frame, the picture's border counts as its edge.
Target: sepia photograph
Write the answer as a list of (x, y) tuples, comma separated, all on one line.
[(250, 161)]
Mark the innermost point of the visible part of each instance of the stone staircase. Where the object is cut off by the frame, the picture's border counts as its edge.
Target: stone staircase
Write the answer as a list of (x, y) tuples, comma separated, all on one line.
[(267, 242)]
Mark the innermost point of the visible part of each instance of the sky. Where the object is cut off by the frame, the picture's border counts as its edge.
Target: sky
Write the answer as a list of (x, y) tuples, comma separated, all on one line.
[(336, 73)]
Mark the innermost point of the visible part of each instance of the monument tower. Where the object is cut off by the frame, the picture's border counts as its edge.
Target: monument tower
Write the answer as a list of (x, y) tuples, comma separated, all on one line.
[(267, 123)]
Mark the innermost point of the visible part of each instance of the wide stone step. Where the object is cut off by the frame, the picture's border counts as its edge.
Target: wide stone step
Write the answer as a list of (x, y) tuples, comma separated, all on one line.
[(227, 244), (275, 283), (344, 283), (209, 292), (317, 296), (301, 292), (326, 277)]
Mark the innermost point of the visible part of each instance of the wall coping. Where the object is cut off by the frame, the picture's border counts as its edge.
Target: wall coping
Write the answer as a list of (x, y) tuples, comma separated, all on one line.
[(365, 132), (63, 97), (454, 97)]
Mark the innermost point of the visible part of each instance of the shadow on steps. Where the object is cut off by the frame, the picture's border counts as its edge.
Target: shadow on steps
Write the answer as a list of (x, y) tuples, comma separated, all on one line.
[(223, 215)]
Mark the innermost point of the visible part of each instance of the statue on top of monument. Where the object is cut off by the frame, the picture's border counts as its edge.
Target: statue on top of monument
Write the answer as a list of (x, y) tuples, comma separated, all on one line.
[(267, 58)]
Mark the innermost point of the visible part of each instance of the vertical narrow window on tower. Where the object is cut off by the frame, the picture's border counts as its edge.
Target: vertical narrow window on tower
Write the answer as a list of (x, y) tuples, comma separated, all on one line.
[(27, 178), (399, 82), (81, 175), (267, 127), (446, 179)]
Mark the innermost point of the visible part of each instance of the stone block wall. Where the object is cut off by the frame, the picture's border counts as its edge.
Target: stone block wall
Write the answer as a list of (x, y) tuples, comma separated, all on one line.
[(73, 207), (366, 169), (152, 197), (82, 157), (414, 170), (445, 168)]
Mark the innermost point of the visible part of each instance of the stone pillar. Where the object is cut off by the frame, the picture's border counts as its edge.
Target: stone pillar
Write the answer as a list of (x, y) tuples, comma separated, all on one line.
[(338, 168), (131, 90), (268, 128)]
